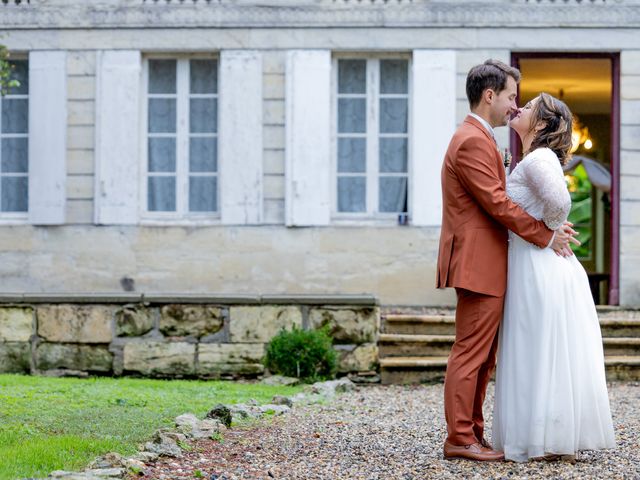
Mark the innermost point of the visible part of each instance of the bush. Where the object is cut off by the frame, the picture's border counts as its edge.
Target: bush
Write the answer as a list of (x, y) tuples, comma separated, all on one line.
[(306, 354)]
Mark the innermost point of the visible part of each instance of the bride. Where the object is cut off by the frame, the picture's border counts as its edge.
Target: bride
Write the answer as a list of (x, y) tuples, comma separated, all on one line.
[(551, 395)]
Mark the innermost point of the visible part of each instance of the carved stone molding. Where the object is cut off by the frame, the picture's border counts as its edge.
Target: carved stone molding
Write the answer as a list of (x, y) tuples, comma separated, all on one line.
[(319, 13)]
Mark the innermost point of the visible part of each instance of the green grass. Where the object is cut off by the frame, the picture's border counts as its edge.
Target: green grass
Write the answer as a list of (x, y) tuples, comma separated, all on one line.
[(63, 423)]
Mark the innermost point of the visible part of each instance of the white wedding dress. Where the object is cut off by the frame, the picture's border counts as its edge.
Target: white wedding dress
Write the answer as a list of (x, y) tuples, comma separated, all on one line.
[(550, 390)]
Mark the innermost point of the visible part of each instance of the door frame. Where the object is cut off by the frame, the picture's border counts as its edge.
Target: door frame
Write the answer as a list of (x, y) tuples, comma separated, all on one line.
[(614, 260)]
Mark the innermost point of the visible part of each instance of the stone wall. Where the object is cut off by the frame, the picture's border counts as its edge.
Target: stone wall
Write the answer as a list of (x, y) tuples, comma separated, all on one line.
[(175, 337)]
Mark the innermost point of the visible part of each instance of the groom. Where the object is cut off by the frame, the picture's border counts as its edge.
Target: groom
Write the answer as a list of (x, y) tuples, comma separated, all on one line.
[(472, 256)]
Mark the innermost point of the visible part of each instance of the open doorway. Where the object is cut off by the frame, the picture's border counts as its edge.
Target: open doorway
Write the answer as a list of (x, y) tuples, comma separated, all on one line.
[(588, 84)]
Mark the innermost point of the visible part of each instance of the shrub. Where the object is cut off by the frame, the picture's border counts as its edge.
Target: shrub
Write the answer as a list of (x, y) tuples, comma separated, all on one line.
[(306, 354)]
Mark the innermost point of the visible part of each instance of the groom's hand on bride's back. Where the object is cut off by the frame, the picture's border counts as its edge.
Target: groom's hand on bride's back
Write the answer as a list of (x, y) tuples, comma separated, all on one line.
[(563, 236)]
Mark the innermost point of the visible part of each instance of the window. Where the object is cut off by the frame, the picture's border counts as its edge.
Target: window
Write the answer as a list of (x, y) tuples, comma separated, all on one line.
[(182, 138), (372, 137), (14, 145)]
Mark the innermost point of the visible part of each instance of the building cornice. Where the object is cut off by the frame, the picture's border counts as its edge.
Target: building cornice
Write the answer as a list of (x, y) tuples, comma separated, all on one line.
[(81, 14)]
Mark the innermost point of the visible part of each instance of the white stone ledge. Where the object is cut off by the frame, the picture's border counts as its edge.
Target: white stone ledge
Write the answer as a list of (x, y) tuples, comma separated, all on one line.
[(110, 298)]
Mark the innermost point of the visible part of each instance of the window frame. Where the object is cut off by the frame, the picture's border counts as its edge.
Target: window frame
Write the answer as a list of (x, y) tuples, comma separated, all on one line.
[(182, 215), (372, 216), (17, 218)]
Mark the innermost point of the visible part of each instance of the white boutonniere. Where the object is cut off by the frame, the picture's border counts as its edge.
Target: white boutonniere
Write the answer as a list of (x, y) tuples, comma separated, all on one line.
[(506, 157)]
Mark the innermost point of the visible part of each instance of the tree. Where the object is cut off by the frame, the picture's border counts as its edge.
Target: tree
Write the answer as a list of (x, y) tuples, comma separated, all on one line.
[(6, 68)]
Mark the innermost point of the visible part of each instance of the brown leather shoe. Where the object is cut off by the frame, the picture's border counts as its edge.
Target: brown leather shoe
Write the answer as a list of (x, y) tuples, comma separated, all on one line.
[(475, 451), (485, 444)]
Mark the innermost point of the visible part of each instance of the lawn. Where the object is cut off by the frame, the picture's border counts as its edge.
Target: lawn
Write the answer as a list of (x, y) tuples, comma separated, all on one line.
[(63, 423)]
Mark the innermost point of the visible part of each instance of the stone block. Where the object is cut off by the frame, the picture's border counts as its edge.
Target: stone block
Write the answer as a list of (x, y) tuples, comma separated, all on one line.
[(273, 62), (132, 321), (630, 187), (15, 357), (221, 358), (80, 187), (465, 59), (273, 112), (80, 136), (190, 320), (274, 136), (260, 324), (80, 162), (273, 162), (630, 62), (630, 137), (630, 87), (274, 211), (630, 112), (357, 359), (81, 62), (273, 186), (81, 112), (160, 359), (273, 86), (90, 358), (356, 325), (629, 213), (16, 324), (79, 211), (75, 323), (629, 162), (81, 87)]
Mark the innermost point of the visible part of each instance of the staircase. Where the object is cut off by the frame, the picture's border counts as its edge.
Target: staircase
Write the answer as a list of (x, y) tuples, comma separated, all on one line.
[(414, 345)]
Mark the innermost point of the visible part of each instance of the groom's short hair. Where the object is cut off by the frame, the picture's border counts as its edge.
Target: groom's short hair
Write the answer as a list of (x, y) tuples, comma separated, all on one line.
[(490, 74)]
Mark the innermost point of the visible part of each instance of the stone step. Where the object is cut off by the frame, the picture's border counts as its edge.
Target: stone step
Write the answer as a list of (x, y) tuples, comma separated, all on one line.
[(408, 324), (616, 346), (411, 370), (406, 345), (418, 324), (620, 327)]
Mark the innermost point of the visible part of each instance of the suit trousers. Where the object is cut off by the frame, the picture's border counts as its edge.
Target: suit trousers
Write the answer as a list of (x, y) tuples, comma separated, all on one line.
[(471, 363)]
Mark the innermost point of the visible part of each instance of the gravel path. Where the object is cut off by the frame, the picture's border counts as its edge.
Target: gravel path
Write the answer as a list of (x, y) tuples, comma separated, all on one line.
[(387, 432)]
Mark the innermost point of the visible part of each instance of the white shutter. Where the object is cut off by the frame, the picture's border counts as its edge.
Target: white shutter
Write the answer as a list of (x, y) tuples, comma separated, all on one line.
[(47, 137), (240, 137), (433, 107), (117, 137), (308, 142)]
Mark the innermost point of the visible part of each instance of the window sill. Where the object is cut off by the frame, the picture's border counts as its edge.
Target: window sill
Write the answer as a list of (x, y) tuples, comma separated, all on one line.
[(180, 222), (14, 221), (339, 221)]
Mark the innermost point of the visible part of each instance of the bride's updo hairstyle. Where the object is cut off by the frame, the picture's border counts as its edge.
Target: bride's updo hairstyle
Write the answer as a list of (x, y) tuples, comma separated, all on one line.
[(556, 133)]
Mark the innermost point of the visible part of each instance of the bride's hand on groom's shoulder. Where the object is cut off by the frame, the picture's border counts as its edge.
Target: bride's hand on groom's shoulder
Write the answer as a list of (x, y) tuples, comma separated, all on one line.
[(564, 235)]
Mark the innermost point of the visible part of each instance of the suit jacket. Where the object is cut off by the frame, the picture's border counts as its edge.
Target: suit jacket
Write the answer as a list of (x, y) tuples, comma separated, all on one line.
[(476, 214)]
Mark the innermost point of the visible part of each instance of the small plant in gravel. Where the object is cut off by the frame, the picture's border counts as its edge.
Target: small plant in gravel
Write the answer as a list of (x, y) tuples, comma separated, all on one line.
[(184, 446), (306, 354), (217, 437)]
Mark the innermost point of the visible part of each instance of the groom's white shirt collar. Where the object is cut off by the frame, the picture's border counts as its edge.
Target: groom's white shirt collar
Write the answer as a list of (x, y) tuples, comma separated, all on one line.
[(485, 124)]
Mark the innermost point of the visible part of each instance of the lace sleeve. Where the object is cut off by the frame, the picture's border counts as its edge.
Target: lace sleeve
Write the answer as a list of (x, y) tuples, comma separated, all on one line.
[(544, 175)]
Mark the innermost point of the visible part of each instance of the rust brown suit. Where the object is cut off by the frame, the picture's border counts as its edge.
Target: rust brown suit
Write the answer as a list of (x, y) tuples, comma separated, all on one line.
[(472, 258)]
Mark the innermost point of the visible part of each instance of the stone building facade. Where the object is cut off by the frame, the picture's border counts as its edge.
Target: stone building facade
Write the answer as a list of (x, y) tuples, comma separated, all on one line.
[(192, 147)]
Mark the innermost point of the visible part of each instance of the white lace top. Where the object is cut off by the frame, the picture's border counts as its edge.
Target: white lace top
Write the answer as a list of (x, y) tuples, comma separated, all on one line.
[(537, 184)]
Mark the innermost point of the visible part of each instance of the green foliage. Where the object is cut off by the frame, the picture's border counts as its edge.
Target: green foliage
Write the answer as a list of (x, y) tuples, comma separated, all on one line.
[(51, 424), (6, 69), (580, 214), (306, 354)]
